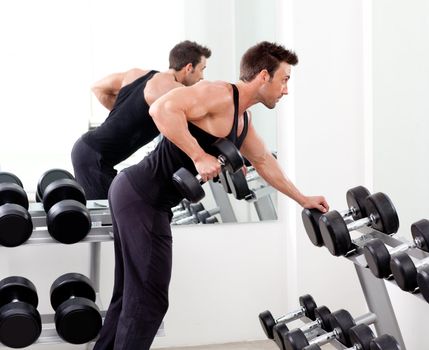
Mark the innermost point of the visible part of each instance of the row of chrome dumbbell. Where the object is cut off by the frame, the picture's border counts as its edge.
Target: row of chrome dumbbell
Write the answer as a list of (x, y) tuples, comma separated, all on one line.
[(377, 212), (324, 327)]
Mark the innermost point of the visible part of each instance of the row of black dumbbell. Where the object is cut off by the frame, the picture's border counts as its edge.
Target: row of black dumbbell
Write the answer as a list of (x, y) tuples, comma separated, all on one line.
[(193, 213), (354, 334), (377, 211), (77, 318), (67, 218)]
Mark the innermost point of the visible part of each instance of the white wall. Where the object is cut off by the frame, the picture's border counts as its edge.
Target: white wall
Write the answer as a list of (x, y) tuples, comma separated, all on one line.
[(401, 147)]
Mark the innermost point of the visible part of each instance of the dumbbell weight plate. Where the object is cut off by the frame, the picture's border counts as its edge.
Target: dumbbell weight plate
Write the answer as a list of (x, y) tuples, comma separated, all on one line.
[(267, 322), (386, 218), (378, 258), (238, 184), (324, 315), (234, 160), (61, 190), (362, 335), (423, 281), (404, 271), (16, 287), (13, 193), (20, 323), (420, 231), (310, 219), (68, 221), (71, 284), (16, 225), (6, 177), (356, 198), (48, 177), (224, 181), (78, 320), (342, 320), (188, 185), (309, 305), (384, 342), (335, 235), (295, 340)]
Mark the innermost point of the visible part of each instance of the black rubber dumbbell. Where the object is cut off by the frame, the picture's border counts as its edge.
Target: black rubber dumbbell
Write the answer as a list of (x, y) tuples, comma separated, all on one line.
[(16, 225), (322, 315), (77, 317), (239, 186), (355, 197), (48, 177), (189, 185), (308, 306), (20, 322), (67, 217), (362, 338), (341, 322), (378, 256), (381, 216)]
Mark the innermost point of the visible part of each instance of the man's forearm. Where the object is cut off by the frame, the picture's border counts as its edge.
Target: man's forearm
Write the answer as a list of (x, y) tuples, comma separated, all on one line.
[(271, 172)]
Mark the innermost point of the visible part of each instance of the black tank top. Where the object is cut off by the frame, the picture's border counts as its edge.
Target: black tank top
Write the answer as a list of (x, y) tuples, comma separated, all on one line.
[(128, 126), (152, 177)]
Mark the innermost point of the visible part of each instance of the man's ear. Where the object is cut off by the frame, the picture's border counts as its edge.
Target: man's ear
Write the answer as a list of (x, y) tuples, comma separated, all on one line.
[(189, 68), (264, 76)]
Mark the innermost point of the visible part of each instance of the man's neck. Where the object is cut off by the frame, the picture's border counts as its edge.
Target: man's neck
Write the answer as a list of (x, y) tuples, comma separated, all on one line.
[(248, 94)]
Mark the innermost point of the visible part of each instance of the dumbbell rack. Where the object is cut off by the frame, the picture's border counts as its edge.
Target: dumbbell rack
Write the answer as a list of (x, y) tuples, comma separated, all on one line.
[(374, 289), (100, 232)]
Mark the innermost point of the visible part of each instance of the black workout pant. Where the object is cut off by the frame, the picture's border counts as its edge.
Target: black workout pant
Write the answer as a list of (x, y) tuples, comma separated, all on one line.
[(143, 254), (90, 172)]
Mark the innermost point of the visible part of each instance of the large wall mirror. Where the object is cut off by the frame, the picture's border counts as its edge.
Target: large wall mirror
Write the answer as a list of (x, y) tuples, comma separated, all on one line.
[(53, 52)]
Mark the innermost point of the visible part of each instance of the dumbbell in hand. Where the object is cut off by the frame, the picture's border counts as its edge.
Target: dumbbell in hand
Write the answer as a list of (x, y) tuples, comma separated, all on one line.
[(381, 216), (322, 315), (64, 202), (355, 197), (20, 322), (308, 306), (77, 317), (190, 186), (362, 338), (16, 225), (341, 322), (378, 256)]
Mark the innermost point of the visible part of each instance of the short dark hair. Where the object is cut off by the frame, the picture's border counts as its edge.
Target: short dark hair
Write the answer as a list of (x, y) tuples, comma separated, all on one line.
[(187, 52), (264, 55)]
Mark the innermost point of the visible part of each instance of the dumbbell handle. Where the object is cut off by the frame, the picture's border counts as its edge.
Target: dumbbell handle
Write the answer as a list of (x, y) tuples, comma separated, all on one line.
[(291, 316), (367, 319), (416, 243), (188, 220), (317, 323), (347, 212), (355, 225), (421, 263), (222, 161)]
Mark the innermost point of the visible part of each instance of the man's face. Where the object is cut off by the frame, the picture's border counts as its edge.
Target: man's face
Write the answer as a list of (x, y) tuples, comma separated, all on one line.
[(274, 89), (196, 74)]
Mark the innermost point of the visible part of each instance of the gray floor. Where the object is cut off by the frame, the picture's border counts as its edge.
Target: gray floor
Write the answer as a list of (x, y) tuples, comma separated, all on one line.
[(257, 345)]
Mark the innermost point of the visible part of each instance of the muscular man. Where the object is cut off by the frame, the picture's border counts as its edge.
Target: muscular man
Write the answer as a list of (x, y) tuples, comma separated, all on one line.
[(128, 127), (140, 198)]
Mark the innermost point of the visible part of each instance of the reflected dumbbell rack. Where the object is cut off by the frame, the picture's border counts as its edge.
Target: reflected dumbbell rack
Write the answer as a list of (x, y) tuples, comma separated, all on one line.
[(101, 231)]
